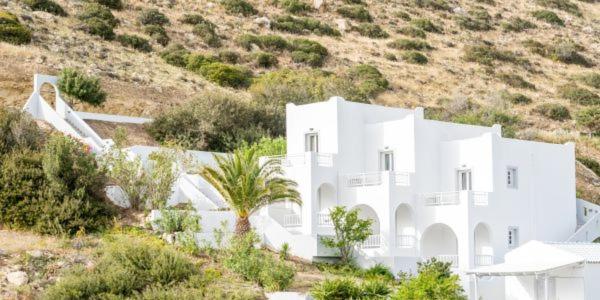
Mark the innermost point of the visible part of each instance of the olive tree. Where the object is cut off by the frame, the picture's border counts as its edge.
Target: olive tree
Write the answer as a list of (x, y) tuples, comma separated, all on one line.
[(350, 230)]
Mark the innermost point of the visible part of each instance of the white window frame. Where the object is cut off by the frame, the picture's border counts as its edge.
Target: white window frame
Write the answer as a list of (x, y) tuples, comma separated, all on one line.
[(382, 160), (469, 178), (307, 141), (512, 238), (512, 180)]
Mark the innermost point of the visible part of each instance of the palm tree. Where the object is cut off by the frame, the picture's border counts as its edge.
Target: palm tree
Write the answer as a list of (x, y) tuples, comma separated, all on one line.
[(247, 185)]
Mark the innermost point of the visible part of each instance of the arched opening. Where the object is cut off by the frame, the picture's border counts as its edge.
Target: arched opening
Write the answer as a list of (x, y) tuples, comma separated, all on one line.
[(48, 93), (366, 212), (405, 229), (484, 252), (440, 242), (326, 200)]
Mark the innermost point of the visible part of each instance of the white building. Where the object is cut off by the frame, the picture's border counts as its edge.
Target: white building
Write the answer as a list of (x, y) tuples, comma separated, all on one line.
[(460, 193)]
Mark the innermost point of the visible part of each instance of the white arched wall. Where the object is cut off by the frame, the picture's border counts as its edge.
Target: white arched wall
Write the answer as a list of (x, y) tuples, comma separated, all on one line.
[(327, 197), (438, 239), (367, 212), (404, 220), (483, 240)]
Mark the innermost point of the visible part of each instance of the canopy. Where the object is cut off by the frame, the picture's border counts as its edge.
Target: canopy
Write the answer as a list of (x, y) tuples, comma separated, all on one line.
[(507, 269)]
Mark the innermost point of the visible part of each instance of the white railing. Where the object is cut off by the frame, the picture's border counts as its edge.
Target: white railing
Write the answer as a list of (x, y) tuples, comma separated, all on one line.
[(402, 178), (480, 198), (324, 219), (289, 160), (484, 260), (325, 159), (363, 179), (405, 241), (373, 241), (292, 220), (448, 258), (442, 198)]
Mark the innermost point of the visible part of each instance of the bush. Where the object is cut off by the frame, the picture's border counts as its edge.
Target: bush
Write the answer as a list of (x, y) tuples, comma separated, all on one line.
[(338, 288), (18, 131), (378, 271), (412, 32), (567, 51), (434, 279), (306, 25), (113, 4), (488, 117), (355, 12), (375, 289), (134, 41), (408, 44), (590, 79), (477, 19), (196, 61), (553, 111), (226, 75), (47, 6), (269, 42), (425, 25), (84, 88), (486, 55), (308, 52), (578, 95), (565, 5), (590, 119), (239, 7), (206, 32), (295, 6), (433, 4), (390, 56), (548, 17), (371, 30), (265, 59), (517, 24), (414, 57), (194, 19), (175, 55), (158, 33), (11, 31), (367, 80), (98, 20), (515, 98), (516, 81), (228, 56), (591, 164), (153, 17)]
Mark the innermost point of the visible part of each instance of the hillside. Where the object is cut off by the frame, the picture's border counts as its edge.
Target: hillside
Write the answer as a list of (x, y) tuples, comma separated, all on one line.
[(478, 52)]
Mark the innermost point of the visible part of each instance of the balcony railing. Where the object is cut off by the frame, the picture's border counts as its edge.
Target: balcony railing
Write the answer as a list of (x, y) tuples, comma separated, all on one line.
[(480, 198), (442, 198), (448, 258), (325, 159), (373, 241), (363, 179), (484, 260), (402, 178), (291, 160), (405, 241), (324, 219), (292, 220)]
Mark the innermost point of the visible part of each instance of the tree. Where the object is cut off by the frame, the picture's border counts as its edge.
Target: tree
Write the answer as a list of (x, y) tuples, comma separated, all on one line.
[(590, 119), (350, 231), (434, 281), (247, 185), (84, 88)]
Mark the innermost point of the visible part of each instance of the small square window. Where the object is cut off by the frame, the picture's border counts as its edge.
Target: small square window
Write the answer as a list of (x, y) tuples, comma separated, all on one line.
[(513, 237), (511, 177)]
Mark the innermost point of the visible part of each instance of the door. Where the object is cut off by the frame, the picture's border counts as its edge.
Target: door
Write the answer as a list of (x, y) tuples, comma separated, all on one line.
[(311, 142), (386, 161), (464, 180)]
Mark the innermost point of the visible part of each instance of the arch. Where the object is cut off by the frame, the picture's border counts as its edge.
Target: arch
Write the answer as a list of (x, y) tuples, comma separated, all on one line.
[(405, 228), (326, 197), (483, 239), (439, 240), (367, 212)]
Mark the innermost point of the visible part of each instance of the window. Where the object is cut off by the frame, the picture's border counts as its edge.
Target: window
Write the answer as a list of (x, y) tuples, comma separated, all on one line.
[(513, 237), (311, 142), (585, 211), (386, 161), (511, 177), (464, 180)]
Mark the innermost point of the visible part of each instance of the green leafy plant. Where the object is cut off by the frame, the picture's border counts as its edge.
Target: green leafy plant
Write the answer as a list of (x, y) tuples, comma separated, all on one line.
[(112, 4), (84, 88), (548, 16), (18, 131), (206, 32), (589, 118), (434, 4), (591, 164), (578, 95), (226, 75), (12, 31), (338, 288), (565, 5), (265, 59), (228, 56), (193, 19), (308, 52), (425, 25), (269, 42), (553, 111), (487, 54), (590, 79), (47, 6), (515, 81), (408, 44), (367, 80), (414, 57), (378, 271), (477, 19), (302, 25), (516, 24), (412, 32), (284, 252), (153, 17), (176, 55), (295, 6), (371, 30), (240, 7), (355, 12), (566, 51), (158, 33), (98, 20), (515, 98), (134, 41), (350, 231), (433, 281)]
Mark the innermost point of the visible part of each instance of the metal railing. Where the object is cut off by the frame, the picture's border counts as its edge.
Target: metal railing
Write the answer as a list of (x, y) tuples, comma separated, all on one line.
[(324, 219), (363, 179), (373, 241), (402, 178), (442, 198), (289, 160), (292, 220), (448, 258), (405, 241), (480, 198), (325, 159), (484, 260)]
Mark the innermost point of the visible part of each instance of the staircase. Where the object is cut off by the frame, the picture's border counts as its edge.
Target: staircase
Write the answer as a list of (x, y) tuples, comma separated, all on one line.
[(588, 222)]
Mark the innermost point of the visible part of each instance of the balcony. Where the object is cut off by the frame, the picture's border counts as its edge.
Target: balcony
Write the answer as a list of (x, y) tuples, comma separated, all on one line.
[(375, 178), (448, 258), (292, 220), (454, 198), (373, 241), (324, 220), (405, 241), (484, 260), (301, 159)]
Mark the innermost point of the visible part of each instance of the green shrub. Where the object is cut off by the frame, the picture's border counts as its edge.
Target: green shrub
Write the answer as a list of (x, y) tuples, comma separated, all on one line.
[(486, 55), (113, 4), (553, 111), (517, 24), (412, 32), (84, 88), (134, 41), (390, 56), (158, 33), (196, 61), (338, 288), (425, 25), (11, 31), (308, 52), (378, 271), (488, 117), (270, 42), (193, 19), (434, 279), (515, 81), (565, 5), (47, 6), (295, 6), (591, 164), (98, 20), (371, 30), (239, 7), (578, 95), (476, 19), (367, 80), (303, 25), (414, 57), (173, 220), (18, 131), (375, 289), (276, 275), (433, 4), (548, 17), (228, 56), (567, 51), (153, 17), (355, 12), (265, 59), (408, 44), (208, 35), (175, 55), (226, 75), (515, 98), (590, 119), (590, 79)]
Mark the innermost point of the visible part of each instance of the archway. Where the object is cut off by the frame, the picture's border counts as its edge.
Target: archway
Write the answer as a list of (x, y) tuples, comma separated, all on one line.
[(366, 212), (439, 241), (484, 252), (326, 197), (405, 229)]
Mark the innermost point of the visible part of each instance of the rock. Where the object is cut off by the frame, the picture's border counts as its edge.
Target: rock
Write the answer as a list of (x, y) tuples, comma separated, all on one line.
[(317, 4), (342, 24), (263, 22), (2, 253), (35, 253), (17, 278), (27, 18), (458, 10)]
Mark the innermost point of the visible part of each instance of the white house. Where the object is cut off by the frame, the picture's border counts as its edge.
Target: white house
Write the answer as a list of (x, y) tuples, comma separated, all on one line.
[(460, 193)]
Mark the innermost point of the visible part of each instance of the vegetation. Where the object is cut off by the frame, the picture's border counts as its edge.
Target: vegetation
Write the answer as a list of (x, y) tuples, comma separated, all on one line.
[(134, 41), (153, 17), (179, 227), (350, 231), (408, 44), (239, 7), (516, 24), (515, 81), (589, 118), (265, 59), (371, 30), (425, 25), (578, 94), (247, 185), (488, 117), (355, 12), (12, 31), (414, 57), (226, 75), (206, 32), (158, 33), (548, 16), (84, 88), (590, 79), (367, 80), (346, 288), (228, 56), (433, 4), (18, 132), (565, 51), (176, 55), (412, 32), (308, 52), (590, 164), (98, 20), (477, 19), (433, 281), (112, 4), (302, 25), (553, 111), (47, 6), (295, 6), (487, 54), (515, 98), (565, 5), (269, 42)]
